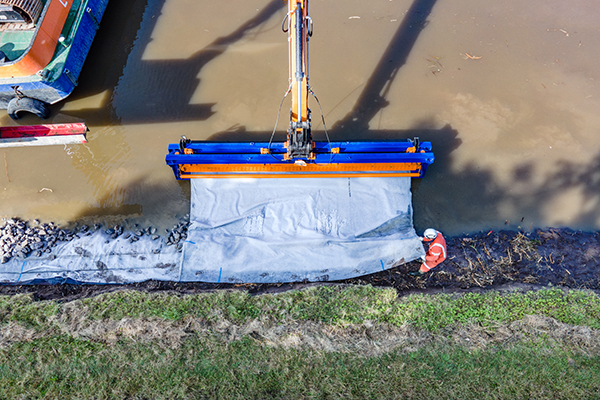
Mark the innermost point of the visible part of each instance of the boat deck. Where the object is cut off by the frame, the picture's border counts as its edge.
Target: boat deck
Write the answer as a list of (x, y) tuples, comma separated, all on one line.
[(15, 42)]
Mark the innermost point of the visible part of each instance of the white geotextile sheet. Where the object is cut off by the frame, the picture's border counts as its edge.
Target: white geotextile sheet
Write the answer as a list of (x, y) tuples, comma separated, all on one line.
[(246, 230), (289, 230), (98, 259)]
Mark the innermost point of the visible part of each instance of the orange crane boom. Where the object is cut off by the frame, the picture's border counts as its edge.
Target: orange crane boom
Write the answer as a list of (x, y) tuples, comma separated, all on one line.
[(299, 156), (299, 138)]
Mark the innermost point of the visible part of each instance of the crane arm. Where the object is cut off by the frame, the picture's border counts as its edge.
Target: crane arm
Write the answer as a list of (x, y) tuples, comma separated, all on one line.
[(299, 139), (298, 156)]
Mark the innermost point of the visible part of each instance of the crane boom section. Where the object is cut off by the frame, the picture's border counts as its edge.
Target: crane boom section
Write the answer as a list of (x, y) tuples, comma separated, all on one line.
[(298, 50), (299, 139)]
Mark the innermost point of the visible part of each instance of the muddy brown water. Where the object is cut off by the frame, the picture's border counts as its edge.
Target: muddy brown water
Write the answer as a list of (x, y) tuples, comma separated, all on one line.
[(508, 93)]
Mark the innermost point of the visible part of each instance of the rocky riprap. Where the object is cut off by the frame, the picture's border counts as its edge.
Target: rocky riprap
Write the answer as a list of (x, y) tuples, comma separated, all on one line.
[(178, 234), (21, 239)]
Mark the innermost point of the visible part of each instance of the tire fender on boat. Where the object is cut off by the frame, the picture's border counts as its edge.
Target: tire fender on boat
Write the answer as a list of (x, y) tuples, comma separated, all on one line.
[(27, 104)]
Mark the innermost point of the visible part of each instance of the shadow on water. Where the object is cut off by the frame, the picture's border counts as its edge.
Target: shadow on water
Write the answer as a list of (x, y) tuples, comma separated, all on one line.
[(161, 90), (107, 59), (373, 97), (111, 48), (476, 196), (355, 125), (583, 178), (471, 198), (477, 199)]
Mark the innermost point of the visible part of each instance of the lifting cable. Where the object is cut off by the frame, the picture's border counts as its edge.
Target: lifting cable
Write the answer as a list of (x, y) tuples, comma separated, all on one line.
[(277, 121), (324, 125)]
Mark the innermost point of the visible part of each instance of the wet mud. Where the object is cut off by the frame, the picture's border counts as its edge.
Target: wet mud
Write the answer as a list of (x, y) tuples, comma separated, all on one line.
[(505, 260), (551, 257)]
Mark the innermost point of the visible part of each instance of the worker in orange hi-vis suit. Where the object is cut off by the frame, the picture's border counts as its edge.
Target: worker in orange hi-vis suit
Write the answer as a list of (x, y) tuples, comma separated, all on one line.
[(436, 253)]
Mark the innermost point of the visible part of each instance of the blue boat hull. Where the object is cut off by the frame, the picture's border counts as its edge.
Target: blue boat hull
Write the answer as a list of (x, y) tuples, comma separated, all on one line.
[(51, 92)]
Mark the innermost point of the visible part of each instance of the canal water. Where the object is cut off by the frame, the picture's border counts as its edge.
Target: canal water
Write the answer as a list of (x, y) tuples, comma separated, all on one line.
[(508, 93)]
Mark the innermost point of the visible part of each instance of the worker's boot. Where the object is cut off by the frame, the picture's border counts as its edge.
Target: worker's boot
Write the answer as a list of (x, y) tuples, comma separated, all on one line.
[(415, 273)]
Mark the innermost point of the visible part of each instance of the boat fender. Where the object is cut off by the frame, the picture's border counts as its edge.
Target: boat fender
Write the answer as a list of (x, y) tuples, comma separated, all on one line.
[(26, 104)]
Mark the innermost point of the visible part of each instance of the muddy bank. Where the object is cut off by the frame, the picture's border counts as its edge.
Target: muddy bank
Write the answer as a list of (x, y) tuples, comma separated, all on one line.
[(559, 257), (489, 260)]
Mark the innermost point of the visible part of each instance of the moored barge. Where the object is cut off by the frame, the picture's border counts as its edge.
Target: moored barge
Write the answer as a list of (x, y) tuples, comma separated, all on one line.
[(43, 45)]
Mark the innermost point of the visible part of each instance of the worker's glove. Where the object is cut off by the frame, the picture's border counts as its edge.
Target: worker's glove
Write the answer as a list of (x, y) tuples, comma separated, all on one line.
[(421, 239), (415, 273)]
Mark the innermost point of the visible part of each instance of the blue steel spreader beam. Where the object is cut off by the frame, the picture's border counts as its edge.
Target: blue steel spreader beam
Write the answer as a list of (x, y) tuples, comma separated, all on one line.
[(201, 159)]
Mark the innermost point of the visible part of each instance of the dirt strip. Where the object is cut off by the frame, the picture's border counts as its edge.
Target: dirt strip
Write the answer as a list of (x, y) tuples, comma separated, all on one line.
[(483, 261)]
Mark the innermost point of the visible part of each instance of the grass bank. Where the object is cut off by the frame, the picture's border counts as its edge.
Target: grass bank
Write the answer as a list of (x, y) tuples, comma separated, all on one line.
[(60, 367), (325, 304), (322, 342)]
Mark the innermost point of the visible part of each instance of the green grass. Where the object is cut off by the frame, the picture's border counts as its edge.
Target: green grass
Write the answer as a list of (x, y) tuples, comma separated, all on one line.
[(334, 305), (208, 365), (62, 367), (21, 308), (355, 304)]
